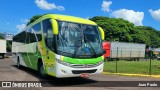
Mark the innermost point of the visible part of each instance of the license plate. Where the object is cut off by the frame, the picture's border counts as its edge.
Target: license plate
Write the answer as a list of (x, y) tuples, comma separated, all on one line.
[(84, 75)]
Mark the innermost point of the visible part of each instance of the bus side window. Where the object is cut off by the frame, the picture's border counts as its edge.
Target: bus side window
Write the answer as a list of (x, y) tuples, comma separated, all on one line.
[(48, 34), (27, 37), (20, 37), (37, 31), (32, 37)]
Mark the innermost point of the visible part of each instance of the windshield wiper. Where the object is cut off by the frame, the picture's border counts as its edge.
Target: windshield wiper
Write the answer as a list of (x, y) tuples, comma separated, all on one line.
[(78, 47), (90, 46), (81, 46)]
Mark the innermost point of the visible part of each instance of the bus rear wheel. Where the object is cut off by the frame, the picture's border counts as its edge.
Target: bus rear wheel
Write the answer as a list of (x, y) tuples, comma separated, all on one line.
[(18, 63), (41, 71), (2, 55)]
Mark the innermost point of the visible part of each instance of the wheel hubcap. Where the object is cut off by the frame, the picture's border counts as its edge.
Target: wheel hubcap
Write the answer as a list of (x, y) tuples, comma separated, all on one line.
[(42, 70), (18, 64)]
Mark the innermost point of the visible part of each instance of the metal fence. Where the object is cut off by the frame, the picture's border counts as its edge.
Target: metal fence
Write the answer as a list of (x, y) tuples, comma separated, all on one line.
[(132, 62)]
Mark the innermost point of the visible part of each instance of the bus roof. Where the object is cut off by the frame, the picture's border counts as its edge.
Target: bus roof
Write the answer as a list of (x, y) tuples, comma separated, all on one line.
[(68, 18), (62, 18)]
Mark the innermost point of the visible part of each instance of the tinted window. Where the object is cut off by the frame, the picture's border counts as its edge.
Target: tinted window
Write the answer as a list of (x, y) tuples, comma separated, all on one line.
[(20, 37), (31, 37), (34, 34), (37, 31)]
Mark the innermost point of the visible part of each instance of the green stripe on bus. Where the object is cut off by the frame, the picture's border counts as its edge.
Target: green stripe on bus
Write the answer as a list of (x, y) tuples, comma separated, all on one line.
[(83, 61)]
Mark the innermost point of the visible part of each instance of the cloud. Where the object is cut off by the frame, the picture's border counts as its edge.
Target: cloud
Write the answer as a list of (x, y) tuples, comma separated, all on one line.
[(24, 20), (106, 6), (130, 15), (155, 14), (43, 4), (61, 8), (20, 27)]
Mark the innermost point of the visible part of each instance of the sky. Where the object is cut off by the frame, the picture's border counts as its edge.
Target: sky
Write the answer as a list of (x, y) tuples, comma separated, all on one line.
[(14, 14)]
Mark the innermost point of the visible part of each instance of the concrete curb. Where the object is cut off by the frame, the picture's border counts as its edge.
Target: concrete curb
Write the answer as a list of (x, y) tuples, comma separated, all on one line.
[(132, 75)]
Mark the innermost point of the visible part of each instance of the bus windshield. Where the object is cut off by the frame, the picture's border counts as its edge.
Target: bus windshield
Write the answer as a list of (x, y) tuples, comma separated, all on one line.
[(78, 40)]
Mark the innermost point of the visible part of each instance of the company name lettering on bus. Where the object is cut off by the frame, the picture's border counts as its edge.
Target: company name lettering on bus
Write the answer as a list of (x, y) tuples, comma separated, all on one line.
[(21, 84)]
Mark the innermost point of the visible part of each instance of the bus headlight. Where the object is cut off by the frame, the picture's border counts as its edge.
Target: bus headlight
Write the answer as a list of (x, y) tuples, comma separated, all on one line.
[(99, 63), (63, 63)]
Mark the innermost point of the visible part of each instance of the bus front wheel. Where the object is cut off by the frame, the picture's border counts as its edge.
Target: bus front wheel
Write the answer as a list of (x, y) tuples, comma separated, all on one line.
[(41, 71)]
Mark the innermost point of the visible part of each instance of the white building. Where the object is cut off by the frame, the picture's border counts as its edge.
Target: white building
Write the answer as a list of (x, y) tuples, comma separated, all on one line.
[(6, 36)]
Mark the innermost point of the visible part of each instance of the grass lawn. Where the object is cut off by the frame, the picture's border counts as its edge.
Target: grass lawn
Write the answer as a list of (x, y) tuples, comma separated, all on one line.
[(133, 67)]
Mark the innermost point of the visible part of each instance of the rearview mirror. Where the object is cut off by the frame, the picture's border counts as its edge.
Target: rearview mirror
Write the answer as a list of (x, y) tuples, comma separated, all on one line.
[(54, 26), (101, 32)]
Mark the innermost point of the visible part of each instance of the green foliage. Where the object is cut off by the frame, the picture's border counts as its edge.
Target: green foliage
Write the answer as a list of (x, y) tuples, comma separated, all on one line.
[(117, 29), (9, 46), (147, 35), (1, 37), (34, 18)]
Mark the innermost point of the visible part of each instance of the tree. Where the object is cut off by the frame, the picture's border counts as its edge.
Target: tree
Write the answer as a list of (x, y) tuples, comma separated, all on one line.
[(9, 46), (34, 18), (151, 36), (117, 29), (1, 37)]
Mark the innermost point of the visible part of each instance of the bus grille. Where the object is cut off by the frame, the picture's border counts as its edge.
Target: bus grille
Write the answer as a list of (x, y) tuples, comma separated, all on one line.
[(85, 65), (83, 71)]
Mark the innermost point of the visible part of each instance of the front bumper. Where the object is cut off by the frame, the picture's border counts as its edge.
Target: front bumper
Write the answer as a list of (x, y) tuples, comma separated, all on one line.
[(66, 71)]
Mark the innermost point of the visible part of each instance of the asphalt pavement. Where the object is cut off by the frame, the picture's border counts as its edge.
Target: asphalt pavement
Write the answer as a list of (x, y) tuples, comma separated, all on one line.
[(9, 72)]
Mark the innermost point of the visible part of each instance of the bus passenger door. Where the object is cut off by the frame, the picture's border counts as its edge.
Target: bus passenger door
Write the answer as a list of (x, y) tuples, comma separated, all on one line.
[(49, 44)]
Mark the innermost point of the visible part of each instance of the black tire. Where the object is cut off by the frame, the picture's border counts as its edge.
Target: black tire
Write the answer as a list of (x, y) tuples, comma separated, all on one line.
[(41, 71), (3, 56), (18, 63)]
